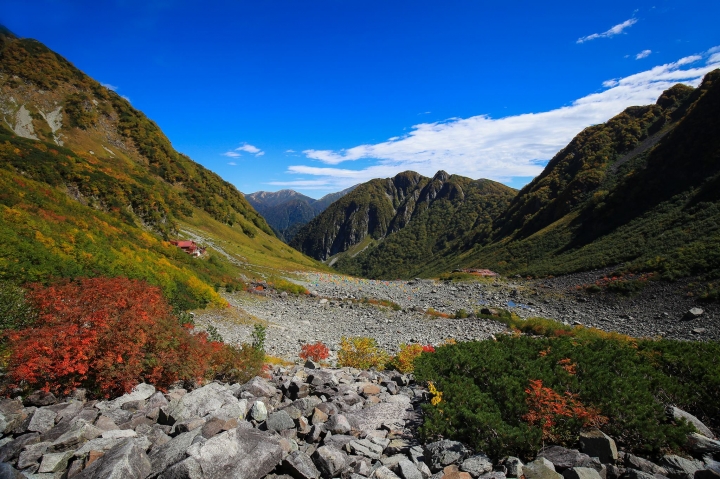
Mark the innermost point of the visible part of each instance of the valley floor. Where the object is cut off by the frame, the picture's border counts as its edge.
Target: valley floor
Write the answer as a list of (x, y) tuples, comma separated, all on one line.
[(333, 310)]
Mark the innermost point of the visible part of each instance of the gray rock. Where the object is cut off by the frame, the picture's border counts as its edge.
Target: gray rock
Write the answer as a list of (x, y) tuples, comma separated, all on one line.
[(279, 421), (210, 399), (564, 458), (329, 460), (407, 470), (640, 464), (78, 434), (383, 472), (127, 460), (239, 453), (679, 467), (595, 443), (55, 462), (258, 411), (32, 454), (493, 475), (707, 474), (300, 466), (477, 465), (9, 472), (366, 448), (443, 453), (97, 444), (677, 414), (693, 313), (373, 417), (170, 453), (581, 473), (139, 393), (188, 468), (338, 440), (11, 450), (43, 420), (514, 467), (540, 469), (338, 424), (259, 387), (699, 444)]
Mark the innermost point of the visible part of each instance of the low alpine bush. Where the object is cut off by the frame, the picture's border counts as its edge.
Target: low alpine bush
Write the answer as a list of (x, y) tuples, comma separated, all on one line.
[(508, 396), (362, 353), (314, 352)]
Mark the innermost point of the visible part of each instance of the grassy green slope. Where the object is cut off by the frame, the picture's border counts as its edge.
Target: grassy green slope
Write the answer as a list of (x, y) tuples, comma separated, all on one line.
[(106, 201)]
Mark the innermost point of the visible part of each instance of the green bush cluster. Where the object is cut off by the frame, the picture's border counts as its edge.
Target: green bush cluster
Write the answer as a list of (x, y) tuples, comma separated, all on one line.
[(630, 381)]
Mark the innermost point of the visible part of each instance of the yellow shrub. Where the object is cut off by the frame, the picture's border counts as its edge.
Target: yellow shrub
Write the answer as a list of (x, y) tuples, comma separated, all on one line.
[(404, 361), (362, 353)]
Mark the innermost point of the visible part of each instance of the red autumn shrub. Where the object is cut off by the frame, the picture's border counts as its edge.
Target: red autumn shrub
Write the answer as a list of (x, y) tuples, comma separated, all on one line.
[(555, 413), (428, 348), (315, 352), (106, 335)]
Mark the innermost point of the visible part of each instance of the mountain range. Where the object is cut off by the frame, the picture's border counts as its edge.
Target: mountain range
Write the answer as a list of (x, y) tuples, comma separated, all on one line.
[(90, 186), (640, 191), (286, 211)]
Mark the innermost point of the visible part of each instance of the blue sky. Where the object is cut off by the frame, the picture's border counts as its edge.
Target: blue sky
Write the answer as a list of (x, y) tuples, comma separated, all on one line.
[(319, 95)]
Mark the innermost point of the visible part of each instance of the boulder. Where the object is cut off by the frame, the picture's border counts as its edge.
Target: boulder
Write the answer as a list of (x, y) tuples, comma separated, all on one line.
[(581, 473), (540, 469), (55, 462), (701, 445), (300, 466), (383, 472), (139, 393), (9, 472), (677, 413), (693, 313), (564, 458), (329, 460), (631, 473), (365, 447), (477, 465), (279, 421), (408, 470), (373, 417), (640, 464), (514, 467), (680, 468), (171, 452), (707, 474), (188, 468), (40, 399), (595, 443), (212, 398), (259, 387), (239, 453), (127, 460), (338, 424), (258, 411), (43, 420), (443, 453)]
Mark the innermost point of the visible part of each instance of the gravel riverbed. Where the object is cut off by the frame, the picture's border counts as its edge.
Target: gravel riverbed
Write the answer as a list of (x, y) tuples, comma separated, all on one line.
[(334, 309)]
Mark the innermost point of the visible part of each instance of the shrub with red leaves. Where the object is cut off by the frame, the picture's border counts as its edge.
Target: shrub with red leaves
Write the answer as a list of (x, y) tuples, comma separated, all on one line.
[(428, 348), (315, 352), (106, 335)]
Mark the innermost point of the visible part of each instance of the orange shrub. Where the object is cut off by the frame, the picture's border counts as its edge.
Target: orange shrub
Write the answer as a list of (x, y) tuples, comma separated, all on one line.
[(315, 352), (106, 335), (362, 353), (404, 361)]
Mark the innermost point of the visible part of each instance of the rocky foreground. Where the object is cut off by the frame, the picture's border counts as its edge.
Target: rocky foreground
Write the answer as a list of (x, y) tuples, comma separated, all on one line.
[(302, 423), (335, 309)]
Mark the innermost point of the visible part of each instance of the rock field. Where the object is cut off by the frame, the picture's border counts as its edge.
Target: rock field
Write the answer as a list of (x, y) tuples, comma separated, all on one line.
[(299, 423), (333, 310)]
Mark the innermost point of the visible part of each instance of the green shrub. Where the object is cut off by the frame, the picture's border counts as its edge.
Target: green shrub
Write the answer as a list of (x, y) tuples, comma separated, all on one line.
[(461, 314), (15, 311), (484, 398)]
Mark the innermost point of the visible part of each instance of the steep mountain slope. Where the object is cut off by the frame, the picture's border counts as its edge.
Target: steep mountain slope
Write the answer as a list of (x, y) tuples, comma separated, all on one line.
[(391, 227), (286, 211), (93, 187), (641, 189)]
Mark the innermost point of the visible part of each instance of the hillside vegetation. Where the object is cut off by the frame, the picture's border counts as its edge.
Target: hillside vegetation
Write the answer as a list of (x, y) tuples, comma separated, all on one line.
[(92, 187), (390, 227)]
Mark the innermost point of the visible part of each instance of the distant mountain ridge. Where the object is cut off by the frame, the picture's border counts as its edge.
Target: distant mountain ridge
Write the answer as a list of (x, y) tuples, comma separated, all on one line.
[(389, 227), (286, 211)]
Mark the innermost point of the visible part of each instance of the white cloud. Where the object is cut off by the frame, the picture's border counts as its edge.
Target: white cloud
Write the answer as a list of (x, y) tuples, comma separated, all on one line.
[(643, 54), (289, 151), (231, 154), (232, 163), (261, 153), (616, 30), (109, 86), (127, 99), (248, 148), (496, 148)]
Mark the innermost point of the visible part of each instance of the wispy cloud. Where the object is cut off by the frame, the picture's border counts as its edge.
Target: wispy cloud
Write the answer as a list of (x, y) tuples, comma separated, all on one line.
[(232, 163), (495, 148), (109, 86), (250, 149), (232, 154), (616, 30), (289, 151), (643, 54)]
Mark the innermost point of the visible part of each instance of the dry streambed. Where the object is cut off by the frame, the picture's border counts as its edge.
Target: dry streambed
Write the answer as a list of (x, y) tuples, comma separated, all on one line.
[(335, 309)]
